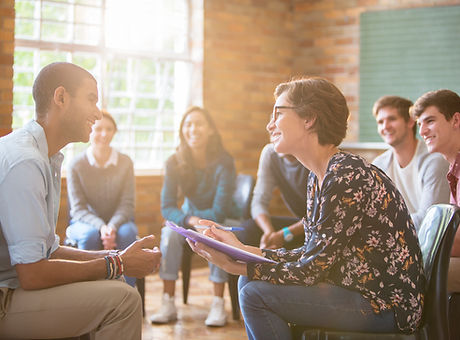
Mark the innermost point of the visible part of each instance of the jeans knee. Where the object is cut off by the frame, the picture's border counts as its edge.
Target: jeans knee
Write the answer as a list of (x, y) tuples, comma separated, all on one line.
[(126, 235), (170, 240), (217, 274), (89, 239), (251, 295)]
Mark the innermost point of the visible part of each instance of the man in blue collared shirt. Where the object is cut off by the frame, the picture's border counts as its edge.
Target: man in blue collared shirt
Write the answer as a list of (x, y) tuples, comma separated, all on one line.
[(48, 290)]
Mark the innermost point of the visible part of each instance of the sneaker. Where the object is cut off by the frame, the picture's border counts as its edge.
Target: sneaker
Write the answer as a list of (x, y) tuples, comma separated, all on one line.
[(216, 316), (167, 312)]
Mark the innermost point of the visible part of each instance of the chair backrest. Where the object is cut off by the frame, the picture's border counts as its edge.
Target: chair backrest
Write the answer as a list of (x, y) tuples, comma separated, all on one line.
[(243, 195), (436, 236)]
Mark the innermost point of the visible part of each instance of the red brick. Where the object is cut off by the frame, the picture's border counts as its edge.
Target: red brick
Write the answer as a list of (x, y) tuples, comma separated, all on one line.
[(6, 35), (5, 117), (6, 71), (7, 4), (6, 83), (6, 12), (4, 131), (7, 47), (6, 96), (8, 24), (6, 59)]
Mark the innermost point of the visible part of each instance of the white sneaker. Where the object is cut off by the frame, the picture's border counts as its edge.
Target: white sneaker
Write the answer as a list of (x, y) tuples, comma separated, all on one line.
[(216, 316), (167, 312)]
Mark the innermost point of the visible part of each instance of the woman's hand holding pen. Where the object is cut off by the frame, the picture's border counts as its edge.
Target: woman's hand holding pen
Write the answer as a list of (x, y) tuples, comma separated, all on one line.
[(219, 259), (221, 235)]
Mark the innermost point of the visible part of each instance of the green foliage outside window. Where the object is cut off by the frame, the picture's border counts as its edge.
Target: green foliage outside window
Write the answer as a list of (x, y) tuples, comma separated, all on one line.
[(139, 90)]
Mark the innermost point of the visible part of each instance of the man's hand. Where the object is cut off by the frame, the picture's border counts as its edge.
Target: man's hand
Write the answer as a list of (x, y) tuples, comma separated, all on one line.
[(108, 237), (141, 257), (274, 240), (264, 239)]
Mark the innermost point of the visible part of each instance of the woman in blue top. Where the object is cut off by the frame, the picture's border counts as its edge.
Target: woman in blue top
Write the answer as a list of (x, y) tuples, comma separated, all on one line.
[(204, 174), (361, 268)]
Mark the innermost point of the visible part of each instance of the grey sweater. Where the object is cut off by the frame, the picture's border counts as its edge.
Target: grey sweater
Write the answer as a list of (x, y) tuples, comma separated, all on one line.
[(99, 196), (431, 176), (290, 178)]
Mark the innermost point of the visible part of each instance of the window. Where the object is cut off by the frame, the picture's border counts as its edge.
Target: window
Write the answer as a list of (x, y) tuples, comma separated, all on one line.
[(141, 52)]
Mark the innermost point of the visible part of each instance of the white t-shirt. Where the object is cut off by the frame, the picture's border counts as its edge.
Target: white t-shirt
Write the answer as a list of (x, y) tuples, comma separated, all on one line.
[(407, 181)]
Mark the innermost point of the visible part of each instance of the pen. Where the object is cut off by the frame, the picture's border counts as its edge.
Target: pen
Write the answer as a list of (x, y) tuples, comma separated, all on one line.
[(219, 227)]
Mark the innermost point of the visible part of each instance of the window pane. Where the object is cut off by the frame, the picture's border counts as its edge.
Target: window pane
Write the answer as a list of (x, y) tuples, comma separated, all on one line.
[(88, 15), (55, 31), (48, 57), (23, 58), (23, 78), (119, 102), (89, 35), (23, 99), (55, 12), (26, 28), (161, 26), (24, 9), (87, 61), (96, 3)]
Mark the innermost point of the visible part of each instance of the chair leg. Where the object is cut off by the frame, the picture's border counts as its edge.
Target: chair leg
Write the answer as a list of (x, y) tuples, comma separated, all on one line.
[(186, 268), (140, 284), (233, 289)]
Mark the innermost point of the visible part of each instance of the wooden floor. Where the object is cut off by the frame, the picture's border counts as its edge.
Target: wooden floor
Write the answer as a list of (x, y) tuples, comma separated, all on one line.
[(190, 324)]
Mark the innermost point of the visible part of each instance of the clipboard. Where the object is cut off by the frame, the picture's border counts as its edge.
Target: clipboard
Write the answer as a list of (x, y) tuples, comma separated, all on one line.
[(233, 252)]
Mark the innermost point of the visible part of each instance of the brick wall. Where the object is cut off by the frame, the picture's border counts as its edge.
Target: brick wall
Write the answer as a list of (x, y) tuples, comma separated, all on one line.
[(6, 64), (248, 50)]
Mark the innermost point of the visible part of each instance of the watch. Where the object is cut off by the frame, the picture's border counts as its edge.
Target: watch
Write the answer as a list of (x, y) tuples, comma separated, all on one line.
[(287, 235)]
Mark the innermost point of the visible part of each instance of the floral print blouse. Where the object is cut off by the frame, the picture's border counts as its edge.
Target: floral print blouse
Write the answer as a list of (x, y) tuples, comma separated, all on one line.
[(358, 235)]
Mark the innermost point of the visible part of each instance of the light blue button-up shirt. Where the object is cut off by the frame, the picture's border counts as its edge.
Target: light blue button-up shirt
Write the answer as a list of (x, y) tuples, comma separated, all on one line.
[(30, 186)]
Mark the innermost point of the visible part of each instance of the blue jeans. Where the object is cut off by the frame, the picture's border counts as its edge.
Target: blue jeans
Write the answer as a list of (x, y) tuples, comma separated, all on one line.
[(88, 237), (267, 309)]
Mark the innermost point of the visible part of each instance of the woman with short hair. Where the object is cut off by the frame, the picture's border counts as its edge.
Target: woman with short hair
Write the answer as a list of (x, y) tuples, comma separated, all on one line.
[(361, 268)]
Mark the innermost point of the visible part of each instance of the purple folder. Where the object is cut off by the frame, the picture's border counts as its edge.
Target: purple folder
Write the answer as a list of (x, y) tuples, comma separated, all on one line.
[(233, 252)]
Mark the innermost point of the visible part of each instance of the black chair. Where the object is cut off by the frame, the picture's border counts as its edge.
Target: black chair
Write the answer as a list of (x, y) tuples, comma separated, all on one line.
[(242, 199), (436, 237), (454, 316)]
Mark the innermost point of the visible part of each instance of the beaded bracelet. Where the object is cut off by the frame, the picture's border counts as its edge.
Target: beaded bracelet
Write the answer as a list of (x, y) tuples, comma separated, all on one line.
[(109, 269), (119, 263), (114, 265)]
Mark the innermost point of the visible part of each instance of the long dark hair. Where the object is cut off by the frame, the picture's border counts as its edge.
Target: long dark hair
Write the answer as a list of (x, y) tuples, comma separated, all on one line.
[(184, 158)]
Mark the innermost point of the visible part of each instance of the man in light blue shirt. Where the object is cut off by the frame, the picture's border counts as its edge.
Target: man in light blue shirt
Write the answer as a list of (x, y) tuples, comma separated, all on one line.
[(48, 290)]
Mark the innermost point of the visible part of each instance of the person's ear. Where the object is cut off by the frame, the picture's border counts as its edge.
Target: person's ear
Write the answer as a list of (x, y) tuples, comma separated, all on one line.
[(308, 123), (411, 122), (59, 98), (456, 120)]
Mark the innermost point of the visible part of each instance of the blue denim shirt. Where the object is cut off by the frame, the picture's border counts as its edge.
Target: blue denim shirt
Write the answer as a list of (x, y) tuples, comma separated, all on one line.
[(212, 199), (30, 185)]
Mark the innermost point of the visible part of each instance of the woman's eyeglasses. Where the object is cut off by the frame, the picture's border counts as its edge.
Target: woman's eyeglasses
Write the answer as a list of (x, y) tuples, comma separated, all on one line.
[(275, 112)]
